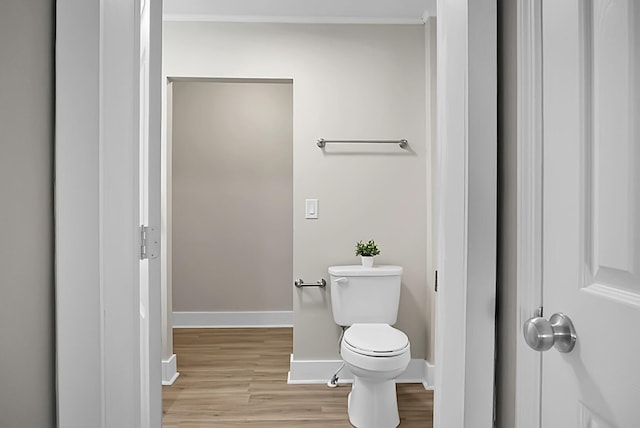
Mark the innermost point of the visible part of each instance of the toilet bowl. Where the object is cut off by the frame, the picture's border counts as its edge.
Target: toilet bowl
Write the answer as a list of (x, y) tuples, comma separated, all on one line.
[(376, 354)]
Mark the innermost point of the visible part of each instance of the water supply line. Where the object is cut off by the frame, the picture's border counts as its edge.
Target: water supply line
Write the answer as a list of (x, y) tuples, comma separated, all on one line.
[(334, 379), (333, 382)]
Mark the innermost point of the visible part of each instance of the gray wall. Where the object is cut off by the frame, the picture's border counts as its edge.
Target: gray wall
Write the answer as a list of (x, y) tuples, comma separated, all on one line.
[(27, 392), (507, 327), (232, 211)]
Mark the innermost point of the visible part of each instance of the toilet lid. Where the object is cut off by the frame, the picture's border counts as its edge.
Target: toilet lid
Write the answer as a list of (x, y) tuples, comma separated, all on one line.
[(377, 340)]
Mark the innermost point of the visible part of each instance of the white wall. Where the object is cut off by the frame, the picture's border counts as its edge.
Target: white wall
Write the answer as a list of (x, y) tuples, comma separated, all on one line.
[(352, 82)]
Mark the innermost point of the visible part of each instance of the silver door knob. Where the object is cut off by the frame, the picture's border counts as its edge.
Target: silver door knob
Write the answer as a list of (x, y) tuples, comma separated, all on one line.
[(558, 332)]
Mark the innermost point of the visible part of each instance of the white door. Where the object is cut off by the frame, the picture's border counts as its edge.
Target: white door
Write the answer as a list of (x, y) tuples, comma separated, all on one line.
[(591, 210)]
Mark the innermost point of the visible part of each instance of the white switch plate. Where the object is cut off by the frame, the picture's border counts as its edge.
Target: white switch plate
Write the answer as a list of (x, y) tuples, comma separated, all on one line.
[(311, 208)]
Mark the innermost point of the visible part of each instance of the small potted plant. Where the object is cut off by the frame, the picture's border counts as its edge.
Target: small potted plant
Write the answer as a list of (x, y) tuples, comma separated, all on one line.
[(366, 251)]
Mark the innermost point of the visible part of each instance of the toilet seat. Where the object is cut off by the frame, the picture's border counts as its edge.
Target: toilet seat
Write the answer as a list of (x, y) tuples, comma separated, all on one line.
[(375, 340)]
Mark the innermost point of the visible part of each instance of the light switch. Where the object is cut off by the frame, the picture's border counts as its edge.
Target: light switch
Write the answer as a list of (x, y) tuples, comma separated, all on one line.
[(311, 208)]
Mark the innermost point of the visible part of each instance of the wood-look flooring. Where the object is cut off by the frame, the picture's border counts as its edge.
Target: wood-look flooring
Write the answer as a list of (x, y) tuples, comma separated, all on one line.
[(238, 377)]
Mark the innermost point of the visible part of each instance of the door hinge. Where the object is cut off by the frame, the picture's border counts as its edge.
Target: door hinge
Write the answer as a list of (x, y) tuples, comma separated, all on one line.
[(149, 242), (436, 282)]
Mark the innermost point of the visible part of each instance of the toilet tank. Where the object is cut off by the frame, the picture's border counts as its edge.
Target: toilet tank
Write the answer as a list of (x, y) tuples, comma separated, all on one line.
[(365, 295)]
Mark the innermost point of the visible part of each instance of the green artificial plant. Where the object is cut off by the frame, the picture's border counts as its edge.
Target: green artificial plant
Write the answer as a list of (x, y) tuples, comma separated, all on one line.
[(367, 249)]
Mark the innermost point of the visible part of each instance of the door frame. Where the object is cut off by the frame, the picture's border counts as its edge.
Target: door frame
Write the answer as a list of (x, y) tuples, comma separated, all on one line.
[(529, 207), (97, 250), (466, 189), (156, 362), (96, 215), (93, 190)]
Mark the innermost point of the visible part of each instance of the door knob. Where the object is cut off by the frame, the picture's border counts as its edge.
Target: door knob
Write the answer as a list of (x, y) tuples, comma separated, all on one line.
[(558, 332)]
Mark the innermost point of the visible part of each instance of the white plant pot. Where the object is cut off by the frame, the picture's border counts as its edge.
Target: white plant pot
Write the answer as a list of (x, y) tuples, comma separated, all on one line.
[(367, 261)]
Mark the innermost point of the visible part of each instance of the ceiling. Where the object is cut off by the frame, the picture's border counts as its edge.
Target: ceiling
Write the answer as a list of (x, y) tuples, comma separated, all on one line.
[(334, 11)]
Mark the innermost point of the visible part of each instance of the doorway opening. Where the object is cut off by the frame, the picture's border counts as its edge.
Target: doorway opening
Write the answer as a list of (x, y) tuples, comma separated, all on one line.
[(231, 198), (229, 203), (374, 85)]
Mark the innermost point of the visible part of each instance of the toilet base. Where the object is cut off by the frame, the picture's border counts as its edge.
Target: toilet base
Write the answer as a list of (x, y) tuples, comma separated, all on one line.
[(373, 404)]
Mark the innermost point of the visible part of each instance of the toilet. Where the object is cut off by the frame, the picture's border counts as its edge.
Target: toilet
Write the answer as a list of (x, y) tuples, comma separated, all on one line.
[(366, 300)]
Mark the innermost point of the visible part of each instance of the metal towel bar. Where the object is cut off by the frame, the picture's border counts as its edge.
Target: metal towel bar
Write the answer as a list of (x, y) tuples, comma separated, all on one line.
[(402, 143), (320, 283)]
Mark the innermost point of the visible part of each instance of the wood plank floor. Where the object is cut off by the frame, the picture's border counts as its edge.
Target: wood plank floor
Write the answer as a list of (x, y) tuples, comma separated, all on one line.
[(238, 377)]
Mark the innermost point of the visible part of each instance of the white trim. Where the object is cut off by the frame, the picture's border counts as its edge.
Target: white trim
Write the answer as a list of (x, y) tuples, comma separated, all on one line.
[(451, 217), (233, 319), (315, 371), (178, 17), (79, 300), (221, 79), (169, 370), (321, 371), (467, 214), (529, 207), (166, 94), (96, 194), (429, 376), (430, 11), (154, 211), (119, 31)]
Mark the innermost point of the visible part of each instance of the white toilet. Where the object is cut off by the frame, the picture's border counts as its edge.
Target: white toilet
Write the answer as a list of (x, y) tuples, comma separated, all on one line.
[(367, 299)]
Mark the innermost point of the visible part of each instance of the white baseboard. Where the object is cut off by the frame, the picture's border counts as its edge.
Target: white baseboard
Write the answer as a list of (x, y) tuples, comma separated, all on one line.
[(321, 371), (430, 376), (169, 370), (233, 319)]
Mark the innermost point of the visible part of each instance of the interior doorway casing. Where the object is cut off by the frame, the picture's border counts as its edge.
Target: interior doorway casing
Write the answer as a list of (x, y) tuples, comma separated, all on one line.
[(232, 191), (456, 24), (529, 208), (467, 213), (101, 379), (168, 95)]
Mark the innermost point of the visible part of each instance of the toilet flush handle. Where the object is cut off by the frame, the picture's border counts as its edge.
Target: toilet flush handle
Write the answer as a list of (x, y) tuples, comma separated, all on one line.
[(341, 280)]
